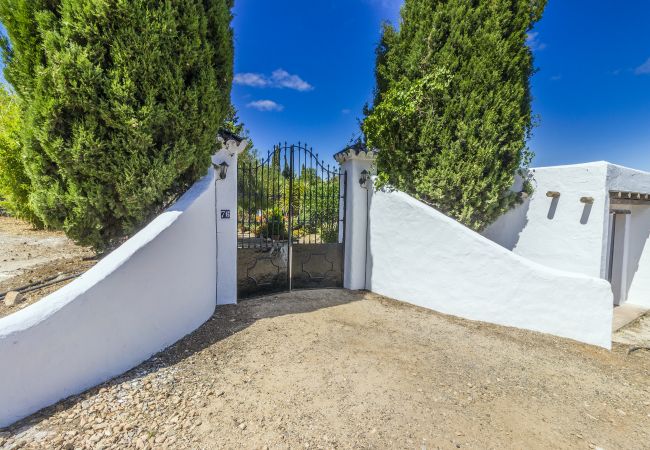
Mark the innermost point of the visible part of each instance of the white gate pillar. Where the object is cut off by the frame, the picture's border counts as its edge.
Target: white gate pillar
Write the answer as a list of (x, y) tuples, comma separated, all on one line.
[(225, 166), (358, 163)]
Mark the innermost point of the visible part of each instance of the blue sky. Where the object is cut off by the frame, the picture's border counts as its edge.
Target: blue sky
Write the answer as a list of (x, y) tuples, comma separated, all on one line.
[(592, 91), (329, 45), (305, 69)]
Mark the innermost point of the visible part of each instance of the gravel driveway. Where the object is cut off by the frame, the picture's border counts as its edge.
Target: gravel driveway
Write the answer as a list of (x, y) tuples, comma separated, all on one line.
[(339, 369)]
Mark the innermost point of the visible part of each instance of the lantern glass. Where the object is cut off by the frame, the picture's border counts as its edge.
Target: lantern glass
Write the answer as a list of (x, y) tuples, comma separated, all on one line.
[(365, 176), (223, 170)]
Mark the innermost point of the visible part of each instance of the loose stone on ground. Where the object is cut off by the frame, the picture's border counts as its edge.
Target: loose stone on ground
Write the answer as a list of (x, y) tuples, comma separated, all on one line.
[(339, 369), (12, 298)]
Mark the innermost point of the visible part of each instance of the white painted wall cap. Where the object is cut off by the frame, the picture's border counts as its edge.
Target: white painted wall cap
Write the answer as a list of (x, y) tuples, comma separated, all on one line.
[(574, 166), (599, 164), (229, 149), (225, 136), (356, 151), (630, 170)]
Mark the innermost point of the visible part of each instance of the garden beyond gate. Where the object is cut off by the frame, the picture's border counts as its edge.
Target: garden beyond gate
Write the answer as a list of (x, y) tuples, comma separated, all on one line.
[(290, 222)]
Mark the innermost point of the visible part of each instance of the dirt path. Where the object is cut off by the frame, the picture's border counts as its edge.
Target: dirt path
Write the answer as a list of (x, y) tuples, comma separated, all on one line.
[(28, 256), (336, 369)]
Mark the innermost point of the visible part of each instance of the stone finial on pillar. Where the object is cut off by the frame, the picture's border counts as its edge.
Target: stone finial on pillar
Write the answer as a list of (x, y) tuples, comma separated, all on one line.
[(224, 163), (357, 162)]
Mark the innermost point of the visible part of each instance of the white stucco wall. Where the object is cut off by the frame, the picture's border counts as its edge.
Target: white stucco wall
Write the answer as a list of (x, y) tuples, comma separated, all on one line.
[(624, 179), (353, 163), (354, 276), (418, 255), (564, 233), (638, 256), (153, 290), (620, 256), (226, 200), (636, 288)]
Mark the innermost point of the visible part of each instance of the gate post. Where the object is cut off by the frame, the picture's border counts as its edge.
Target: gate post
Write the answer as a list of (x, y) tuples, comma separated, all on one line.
[(358, 163), (224, 163)]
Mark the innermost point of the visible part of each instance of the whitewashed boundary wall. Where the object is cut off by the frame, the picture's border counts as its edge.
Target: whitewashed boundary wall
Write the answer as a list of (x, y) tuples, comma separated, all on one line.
[(150, 292), (567, 233), (409, 251), (226, 217), (418, 255), (357, 162)]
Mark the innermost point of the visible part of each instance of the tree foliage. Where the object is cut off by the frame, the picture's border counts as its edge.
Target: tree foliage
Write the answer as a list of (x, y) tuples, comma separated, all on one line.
[(14, 182), (122, 101), (452, 107)]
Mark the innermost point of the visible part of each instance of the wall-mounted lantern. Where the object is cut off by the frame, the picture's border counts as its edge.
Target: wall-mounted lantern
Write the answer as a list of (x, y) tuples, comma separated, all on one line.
[(553, 194), (363, 180), (587, 200), (222, 170)]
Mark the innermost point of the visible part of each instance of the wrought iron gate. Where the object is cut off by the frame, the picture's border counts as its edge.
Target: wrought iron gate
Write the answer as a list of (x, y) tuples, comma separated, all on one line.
[(291, 222)]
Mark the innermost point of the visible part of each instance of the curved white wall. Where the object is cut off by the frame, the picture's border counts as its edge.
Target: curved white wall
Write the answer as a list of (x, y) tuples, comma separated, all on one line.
[(418, 255), (153, 290)]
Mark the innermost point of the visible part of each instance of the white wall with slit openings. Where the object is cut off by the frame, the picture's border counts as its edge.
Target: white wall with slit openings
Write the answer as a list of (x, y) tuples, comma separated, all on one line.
[(416, 254), (435, 262)]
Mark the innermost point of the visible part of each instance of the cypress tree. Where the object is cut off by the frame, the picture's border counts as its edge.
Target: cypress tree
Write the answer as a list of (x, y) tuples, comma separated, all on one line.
[(14, 182), (452, 108), (121, 101)]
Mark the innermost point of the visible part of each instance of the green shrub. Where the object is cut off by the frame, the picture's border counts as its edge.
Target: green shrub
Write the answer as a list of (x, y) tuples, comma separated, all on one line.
[(14, 183), (275, 226), (329, 234), (122, 102), (452, 107)]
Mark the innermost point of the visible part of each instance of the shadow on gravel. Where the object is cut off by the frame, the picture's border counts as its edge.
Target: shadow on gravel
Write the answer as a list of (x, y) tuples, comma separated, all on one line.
[(230, 319), (226, 321)]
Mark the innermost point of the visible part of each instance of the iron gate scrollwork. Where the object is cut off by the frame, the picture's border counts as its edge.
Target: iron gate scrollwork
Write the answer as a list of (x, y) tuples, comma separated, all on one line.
[(291, 222)]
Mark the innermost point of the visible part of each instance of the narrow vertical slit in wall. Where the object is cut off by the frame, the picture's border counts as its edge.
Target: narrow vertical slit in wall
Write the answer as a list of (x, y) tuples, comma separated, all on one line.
[(611, 248)]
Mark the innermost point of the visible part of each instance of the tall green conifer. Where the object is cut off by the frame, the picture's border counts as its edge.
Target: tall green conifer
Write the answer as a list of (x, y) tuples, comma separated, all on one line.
[(452, 107), (121, 100), (14, 182)]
